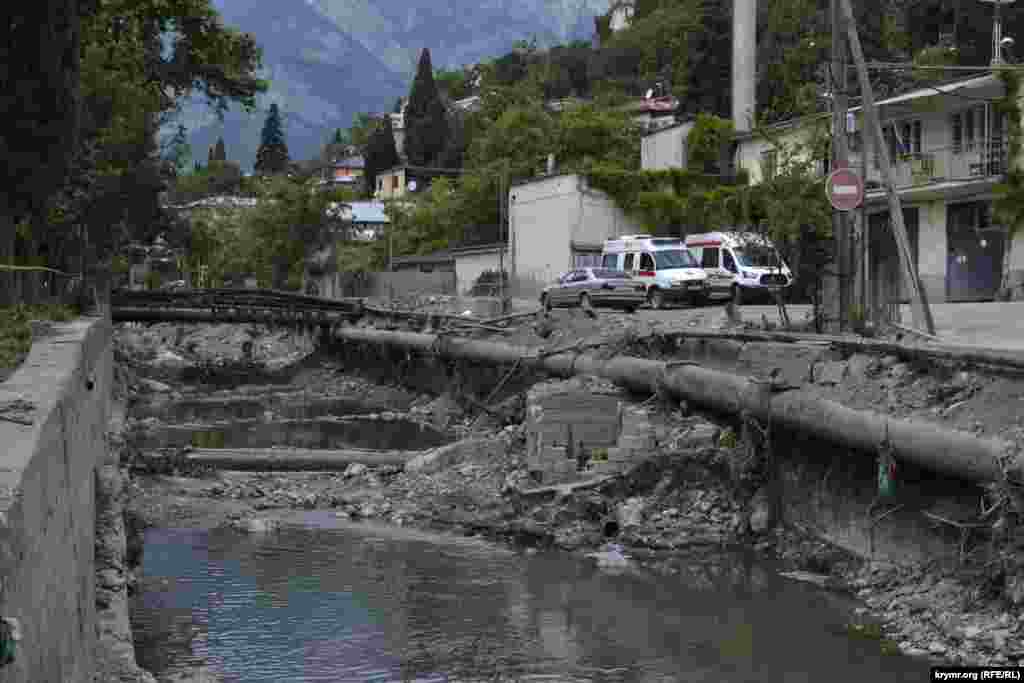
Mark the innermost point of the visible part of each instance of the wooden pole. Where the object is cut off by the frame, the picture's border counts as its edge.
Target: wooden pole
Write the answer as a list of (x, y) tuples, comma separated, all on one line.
[(840, 159), (919, 305)]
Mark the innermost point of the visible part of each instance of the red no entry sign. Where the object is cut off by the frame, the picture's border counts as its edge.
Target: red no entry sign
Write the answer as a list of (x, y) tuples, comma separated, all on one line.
[(845, 189)]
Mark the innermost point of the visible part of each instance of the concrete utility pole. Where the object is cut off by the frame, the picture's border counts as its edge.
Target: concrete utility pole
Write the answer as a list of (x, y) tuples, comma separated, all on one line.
[(840, 159), (922, 314), (502, 235)]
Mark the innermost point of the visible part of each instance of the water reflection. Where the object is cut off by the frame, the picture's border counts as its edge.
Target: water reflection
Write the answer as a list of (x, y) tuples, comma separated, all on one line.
[(352, 604)]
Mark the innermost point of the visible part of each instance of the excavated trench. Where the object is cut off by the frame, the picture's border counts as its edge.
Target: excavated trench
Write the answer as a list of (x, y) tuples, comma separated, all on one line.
[(813, 490)]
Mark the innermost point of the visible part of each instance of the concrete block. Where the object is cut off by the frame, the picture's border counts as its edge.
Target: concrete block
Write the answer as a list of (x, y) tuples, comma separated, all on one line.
[(860, 365), (830, 372), (794, 361), (445, 456), (701, 435)]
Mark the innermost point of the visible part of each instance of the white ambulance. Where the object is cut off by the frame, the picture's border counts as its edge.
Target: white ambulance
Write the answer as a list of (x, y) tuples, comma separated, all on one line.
[(742, 264), (668, 271)]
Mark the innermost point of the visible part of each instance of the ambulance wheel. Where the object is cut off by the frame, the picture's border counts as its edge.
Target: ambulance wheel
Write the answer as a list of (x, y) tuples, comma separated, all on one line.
[(737, 294), (656, 298)]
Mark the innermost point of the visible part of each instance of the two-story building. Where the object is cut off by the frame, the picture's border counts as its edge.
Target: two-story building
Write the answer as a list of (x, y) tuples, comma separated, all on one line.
[(948, 149), (396, 182)]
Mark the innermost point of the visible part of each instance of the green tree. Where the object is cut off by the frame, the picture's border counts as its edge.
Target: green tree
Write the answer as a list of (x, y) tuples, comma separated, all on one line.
[(339, 137), (381, 154), (426, 121), (40, 105), (219, 151), (179, 152), (362, 128), (272, 154), (139, 61)]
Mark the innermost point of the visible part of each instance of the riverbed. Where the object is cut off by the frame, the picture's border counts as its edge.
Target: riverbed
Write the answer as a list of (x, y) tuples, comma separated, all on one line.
[(321, 599), (347, 591)]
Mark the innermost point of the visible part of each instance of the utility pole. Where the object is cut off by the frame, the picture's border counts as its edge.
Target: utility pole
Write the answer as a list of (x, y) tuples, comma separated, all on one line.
[(840, 159), (919, 304), (502, 237)]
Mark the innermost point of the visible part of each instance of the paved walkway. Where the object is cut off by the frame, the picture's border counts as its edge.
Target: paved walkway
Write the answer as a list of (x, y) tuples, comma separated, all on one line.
[(993, 324)]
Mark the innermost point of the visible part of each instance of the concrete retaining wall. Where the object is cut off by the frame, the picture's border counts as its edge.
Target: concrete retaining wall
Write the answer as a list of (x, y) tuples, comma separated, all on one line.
[(47, 500)]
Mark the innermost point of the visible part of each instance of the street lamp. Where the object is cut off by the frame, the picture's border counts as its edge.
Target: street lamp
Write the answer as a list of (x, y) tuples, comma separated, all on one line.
[(997, 30)]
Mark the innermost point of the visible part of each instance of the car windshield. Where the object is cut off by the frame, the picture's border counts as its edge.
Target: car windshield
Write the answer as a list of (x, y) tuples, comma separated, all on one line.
[(608, 274), (757, 256), (674, 258)]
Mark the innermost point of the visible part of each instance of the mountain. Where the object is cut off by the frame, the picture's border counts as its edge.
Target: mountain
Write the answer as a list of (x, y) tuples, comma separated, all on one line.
[(330, 59)]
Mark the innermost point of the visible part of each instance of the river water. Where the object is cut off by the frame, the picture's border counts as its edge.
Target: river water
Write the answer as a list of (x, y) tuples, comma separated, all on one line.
[(327, 600)]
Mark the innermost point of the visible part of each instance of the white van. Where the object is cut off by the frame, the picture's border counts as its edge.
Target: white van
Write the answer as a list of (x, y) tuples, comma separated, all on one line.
[(668, 271), (739, 263)]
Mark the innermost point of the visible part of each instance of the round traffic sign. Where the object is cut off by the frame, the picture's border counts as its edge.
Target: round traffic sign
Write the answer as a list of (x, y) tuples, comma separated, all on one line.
[(845, 189)]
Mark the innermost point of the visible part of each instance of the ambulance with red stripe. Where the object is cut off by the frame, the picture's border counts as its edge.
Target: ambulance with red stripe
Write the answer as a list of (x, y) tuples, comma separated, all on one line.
[(667, 270), (739, 264)]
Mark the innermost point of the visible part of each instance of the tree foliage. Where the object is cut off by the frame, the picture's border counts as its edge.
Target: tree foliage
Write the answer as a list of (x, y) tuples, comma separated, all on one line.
[(138, 60), (272, 155), (426, 119)]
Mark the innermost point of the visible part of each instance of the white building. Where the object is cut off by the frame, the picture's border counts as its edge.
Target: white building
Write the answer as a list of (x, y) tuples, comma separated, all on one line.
[(558, 223), (665, 147), (948, 148)]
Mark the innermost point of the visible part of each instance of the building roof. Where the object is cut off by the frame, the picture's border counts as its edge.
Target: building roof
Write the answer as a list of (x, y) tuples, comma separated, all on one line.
[(356, 161), (368, 212), (443, 256), (422, 170), (484, 248), (662, 129), (948, 88)]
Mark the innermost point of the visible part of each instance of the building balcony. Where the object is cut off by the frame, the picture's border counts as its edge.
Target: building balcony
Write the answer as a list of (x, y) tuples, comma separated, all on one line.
[(938, 169)]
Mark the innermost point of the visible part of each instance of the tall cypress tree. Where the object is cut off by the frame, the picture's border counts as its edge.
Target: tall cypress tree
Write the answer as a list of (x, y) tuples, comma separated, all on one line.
[(272, 155), (381, 154), (426, 124)]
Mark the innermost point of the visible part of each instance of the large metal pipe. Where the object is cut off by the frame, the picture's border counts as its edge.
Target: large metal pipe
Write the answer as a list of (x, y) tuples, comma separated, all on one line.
[(926, 444)]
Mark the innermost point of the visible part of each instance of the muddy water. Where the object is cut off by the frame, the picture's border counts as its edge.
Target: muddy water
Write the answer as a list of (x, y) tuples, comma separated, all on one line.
[(329, 601), (321, 433)]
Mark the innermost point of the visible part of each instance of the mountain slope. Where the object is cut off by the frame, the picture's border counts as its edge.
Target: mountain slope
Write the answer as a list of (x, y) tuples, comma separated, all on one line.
[(330, 59)]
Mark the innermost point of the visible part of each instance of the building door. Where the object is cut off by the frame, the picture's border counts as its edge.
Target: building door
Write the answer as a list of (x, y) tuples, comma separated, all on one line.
[(974, 262), (886, 272)]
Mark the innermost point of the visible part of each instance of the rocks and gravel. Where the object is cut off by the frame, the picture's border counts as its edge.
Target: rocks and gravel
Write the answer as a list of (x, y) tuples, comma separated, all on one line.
[(679, 498)]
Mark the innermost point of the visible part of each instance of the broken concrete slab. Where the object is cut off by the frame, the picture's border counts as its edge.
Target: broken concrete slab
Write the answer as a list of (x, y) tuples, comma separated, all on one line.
[(792, 364), (831, 372)]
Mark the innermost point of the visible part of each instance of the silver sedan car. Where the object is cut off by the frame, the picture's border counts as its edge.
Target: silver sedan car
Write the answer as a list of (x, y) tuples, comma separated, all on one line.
[(588, 287)]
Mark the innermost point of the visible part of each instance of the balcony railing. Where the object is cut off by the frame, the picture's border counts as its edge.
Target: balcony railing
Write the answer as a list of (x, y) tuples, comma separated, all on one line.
[(965, 163)]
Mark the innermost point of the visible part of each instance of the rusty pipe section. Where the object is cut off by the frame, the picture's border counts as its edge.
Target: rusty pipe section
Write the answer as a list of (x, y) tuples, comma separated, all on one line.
[(926, 444)]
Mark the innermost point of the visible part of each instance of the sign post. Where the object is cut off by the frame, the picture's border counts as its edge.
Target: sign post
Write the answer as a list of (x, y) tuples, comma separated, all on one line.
[(845, 189)]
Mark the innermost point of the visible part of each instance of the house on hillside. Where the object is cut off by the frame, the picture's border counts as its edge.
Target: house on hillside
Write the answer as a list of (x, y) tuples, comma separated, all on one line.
[(361, 221), (665, 147), (344, 172), (948, 146), (397, 181), (557, 223), (621, 14)]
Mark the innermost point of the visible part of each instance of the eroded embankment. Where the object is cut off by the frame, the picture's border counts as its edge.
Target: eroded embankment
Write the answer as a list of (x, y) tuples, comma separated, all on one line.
[(654, 478)]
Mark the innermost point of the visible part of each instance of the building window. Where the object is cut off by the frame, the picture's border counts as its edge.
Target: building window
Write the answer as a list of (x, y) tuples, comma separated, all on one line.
[(769, 164), (957, 125), (586, 259)]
